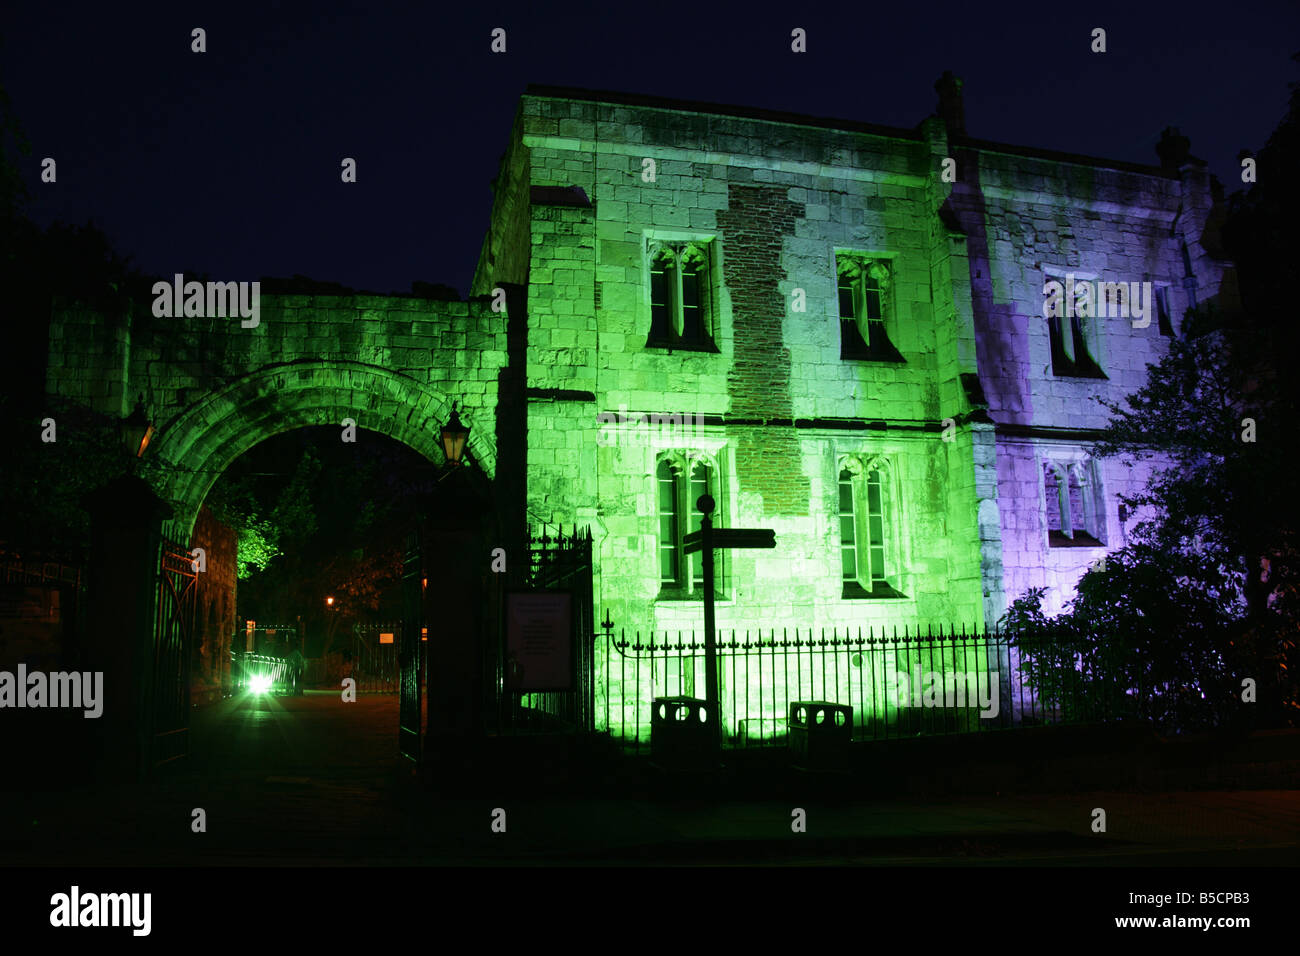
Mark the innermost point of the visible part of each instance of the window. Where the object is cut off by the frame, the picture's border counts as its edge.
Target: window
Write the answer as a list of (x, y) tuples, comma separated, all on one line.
[(1074, 505), (1162, 311), (680, 297), (865, 307), (1068, 321), (681, 481), (867, 535)]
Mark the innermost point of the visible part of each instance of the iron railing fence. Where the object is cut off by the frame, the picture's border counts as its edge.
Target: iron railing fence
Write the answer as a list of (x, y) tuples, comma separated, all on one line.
[(265, 672), (369, 656), (900, 682)]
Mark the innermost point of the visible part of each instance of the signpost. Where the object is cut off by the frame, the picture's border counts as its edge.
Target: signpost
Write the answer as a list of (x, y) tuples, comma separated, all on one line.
[(705, 540)]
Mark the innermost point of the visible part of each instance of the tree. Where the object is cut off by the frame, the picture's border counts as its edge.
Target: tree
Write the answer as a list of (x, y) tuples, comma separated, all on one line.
[(1203, 595)]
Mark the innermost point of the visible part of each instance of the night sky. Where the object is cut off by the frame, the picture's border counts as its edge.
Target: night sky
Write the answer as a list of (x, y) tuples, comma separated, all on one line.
[(228, 162)]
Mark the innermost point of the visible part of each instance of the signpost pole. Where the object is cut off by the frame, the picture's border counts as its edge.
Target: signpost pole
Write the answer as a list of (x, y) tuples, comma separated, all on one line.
[(706, 505), (705, 540)]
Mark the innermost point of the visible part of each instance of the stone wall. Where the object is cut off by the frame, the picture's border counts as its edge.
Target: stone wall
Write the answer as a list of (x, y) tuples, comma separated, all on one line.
[(214, 389), (1027, 217), (779, 406), (216, 618)]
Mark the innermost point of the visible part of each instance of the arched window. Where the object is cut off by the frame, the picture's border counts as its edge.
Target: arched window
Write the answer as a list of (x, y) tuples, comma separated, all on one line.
[(865, 309), (681, 481), (1069, 326), (1075, 508), (868, 537), (681, 313)]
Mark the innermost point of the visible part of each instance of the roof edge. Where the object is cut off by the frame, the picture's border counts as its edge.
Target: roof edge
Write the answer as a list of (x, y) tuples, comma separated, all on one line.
[(721, 109)]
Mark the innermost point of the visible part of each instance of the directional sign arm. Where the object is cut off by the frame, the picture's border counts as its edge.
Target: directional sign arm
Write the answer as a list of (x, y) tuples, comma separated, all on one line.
[(732, 538)]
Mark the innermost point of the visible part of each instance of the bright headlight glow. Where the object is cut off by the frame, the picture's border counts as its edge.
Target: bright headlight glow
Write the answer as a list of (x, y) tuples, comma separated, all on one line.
[(260, 684)]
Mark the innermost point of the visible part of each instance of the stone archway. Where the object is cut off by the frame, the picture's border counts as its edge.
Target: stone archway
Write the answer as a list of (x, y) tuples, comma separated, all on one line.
[(192, 450)]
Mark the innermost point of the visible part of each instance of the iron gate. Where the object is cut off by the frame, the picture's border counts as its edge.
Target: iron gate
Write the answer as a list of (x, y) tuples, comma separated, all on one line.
[(410, 709), (559, 562), (173, 626)]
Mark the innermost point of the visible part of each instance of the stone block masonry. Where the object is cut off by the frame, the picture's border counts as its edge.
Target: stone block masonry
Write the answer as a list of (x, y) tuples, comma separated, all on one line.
[(213, 389)]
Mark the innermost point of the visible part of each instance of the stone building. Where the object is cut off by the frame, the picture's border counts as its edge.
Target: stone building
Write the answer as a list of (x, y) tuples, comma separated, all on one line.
[(886, 345), (841, 332)]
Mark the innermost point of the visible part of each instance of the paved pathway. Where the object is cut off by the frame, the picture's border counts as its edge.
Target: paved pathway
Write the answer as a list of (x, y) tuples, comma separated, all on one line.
[(313, 780)]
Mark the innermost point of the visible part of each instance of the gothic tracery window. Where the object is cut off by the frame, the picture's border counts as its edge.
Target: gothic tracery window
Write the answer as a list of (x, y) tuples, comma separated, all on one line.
[(1075, 507), (681, 479), (1070, 328), (865, 307), (681, 297), (868, 529)]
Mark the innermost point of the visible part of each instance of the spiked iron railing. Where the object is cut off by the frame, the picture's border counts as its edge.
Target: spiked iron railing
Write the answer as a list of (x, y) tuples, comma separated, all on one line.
[(899, 682)]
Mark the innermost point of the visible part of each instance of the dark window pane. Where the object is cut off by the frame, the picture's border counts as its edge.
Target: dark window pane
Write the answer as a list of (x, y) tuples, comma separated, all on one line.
[(852, 344), (1060, 363), (846, 498), (660, 300), (1050, 491), (846, 529), (690, 286), (1081, 353), (848, 564), (872, 299), (873, 493), (1076, 505), (877, 563), (846, 301), (692, 321)]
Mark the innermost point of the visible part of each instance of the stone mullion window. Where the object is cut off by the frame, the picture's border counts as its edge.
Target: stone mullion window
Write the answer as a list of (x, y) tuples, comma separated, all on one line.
[(1071, 354), (1075, 511), (681, 483), (864, 291), (867, 531), (680, 299)]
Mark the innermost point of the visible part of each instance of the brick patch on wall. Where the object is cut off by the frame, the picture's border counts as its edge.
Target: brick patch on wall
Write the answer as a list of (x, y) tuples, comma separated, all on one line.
[(768, 459)]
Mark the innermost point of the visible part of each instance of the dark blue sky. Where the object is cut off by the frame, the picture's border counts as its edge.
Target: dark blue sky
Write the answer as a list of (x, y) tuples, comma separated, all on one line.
[(228, 162)]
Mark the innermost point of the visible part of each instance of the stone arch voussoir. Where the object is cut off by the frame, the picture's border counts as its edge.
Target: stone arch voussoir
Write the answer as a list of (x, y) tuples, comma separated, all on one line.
[(191, 450)]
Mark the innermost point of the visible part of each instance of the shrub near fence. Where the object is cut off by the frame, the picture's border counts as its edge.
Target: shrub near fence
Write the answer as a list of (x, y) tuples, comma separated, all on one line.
[(899, 683)]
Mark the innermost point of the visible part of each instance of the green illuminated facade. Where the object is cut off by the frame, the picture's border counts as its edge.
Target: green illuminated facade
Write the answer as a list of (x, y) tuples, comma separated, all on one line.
[(833, 328), (837, 330), (685, 332)]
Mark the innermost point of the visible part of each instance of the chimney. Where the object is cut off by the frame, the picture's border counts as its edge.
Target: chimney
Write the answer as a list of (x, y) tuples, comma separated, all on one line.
[(1173, 149), (951, 110)]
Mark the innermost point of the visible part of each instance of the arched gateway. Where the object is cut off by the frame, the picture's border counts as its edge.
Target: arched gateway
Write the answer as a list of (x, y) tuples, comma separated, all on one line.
[(210, 389), (190, 452)]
